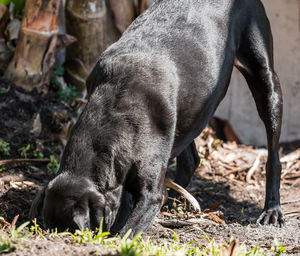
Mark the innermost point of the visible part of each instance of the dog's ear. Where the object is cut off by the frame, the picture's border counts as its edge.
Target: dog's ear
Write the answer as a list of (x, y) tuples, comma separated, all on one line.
[(95, 77), (37, 205), (88, 211)]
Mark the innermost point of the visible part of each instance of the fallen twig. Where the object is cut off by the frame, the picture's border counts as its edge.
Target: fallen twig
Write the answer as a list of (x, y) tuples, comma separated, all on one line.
[(214, 206), (24, 160), (290, 202), (175, 223), (232, 172), (182, 223), (13, 178), (292, 177), (4, 222), (186, 194), (253, 168), (291, 157), (292, 212), (293, 249)]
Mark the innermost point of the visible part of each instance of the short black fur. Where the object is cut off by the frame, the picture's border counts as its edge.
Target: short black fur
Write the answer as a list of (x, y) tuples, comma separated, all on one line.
[(150, 94)]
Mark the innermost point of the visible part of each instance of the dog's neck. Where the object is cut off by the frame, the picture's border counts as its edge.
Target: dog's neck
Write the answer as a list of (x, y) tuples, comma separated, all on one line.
[(99, 149)]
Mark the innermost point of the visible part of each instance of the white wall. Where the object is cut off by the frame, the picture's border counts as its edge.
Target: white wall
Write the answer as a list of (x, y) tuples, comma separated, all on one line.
[(238, 106)]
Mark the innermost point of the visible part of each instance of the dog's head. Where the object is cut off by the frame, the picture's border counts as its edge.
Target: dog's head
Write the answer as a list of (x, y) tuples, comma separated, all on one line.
[(69, 202)]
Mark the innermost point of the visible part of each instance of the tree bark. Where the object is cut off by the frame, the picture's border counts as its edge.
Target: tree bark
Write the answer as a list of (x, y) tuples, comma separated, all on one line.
[(4, 52), (124, 12), (86, 21), (96, 24), (34, 55)]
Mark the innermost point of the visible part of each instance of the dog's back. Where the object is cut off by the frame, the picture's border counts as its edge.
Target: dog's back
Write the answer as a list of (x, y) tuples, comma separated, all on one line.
[(194, 48)]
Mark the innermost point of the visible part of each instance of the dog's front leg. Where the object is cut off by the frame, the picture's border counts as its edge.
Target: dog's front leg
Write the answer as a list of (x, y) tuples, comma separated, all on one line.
[(147, 206)]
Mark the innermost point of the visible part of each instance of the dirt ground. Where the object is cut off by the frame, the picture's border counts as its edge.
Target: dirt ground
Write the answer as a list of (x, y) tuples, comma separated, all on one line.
[(240, 201)]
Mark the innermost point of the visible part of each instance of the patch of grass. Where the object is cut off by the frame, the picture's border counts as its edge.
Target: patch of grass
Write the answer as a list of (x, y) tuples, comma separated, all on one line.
[(36, 230), (4, 148), (89, 236), (11, 242), (18, 5), (131, 247), (173, 165), (6, 245), (277, 248), (53, 165), (38, 155), (24, 150)]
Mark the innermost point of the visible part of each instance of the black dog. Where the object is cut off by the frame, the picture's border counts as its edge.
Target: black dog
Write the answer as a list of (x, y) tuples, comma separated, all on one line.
[(151, 94)]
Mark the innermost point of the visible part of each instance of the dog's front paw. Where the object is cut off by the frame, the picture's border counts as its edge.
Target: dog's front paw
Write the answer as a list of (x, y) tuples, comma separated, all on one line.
[(271, 216)]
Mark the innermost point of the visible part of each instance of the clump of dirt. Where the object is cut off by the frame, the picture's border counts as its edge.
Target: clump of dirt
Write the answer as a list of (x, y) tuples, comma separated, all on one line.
[(32, 118), (35, 125)]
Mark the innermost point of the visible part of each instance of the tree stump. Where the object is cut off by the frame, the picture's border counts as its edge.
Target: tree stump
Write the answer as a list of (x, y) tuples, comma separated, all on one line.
[(34, 56)]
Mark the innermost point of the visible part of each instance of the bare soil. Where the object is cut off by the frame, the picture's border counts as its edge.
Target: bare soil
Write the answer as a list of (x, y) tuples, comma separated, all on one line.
[(240, 201)]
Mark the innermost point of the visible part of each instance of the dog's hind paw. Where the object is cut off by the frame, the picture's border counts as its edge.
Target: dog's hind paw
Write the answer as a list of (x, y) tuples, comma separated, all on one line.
[(271, 216)]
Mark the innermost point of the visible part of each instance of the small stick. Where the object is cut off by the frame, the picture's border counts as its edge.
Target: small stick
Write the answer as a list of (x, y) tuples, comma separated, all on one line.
[(25, 160), (291, 202), (214, 206), (292, 177), (175, 223), (253, 168), (186, 194), (5, 223), (292, 212), (291, 157), (232, 172), (14, 221), (183, 223)]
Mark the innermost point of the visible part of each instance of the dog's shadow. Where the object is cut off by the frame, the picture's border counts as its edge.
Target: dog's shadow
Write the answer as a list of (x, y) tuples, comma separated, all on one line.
[(237, 205)]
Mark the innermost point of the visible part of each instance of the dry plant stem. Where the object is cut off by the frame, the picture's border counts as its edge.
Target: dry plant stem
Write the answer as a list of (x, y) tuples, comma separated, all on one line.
[(21, 161), (14, 221), (186, 194)]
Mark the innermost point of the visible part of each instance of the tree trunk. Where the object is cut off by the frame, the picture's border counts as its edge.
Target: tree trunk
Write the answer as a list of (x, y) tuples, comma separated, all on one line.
[(86, 21), (4, 52), (34, 55), (124, 12), (96, 24)]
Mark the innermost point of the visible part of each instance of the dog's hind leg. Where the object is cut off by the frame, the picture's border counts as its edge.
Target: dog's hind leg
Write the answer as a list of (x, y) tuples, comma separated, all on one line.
[(255, 61), (186, 164)]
